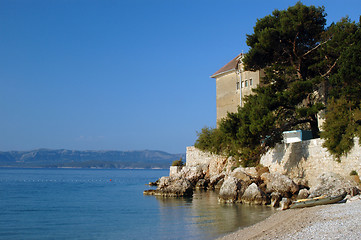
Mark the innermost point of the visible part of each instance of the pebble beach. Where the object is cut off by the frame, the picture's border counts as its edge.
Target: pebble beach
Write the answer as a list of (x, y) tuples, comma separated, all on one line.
[(334, 221)]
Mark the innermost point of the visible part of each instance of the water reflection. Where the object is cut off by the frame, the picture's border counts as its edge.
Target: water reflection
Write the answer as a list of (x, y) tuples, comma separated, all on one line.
[(202, 217)]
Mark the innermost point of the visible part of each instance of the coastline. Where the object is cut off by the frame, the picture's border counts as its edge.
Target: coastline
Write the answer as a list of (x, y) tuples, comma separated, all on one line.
[(334, 221)]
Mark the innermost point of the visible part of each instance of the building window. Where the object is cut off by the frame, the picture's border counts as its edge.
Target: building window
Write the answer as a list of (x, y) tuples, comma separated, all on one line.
[(242, 84), (237, 85), (250, 82), (246, 83)]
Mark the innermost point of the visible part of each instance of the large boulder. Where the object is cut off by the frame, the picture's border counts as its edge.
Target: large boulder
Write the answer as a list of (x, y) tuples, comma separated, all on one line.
[(164, 181), (333, 184), (254, 195), (285, 203), (282, 184), (202, 184), (172, 187), (179, 188), (193, 174), (241, 175), (230, 190), (251, 171), (219, 184), (275, 199), (303, 193), (215, 179)]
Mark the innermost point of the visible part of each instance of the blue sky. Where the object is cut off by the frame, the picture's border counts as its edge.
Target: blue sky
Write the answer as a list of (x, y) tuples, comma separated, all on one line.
[(120, 75)]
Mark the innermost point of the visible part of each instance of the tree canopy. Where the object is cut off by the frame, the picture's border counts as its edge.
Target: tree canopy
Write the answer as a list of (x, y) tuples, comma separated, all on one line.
[(308, 68)]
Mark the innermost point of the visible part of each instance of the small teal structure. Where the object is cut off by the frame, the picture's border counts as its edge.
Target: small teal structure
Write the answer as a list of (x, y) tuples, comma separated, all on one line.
[(296, 136)]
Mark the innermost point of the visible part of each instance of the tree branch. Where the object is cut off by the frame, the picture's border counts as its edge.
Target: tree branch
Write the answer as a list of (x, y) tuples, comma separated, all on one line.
[(294, 45), (294, 123), (312, 49), (329, 70)]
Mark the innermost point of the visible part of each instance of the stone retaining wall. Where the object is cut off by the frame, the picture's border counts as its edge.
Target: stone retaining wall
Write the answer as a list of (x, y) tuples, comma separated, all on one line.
[(174, 170), (308, 159), (212, 163), (301, 160)]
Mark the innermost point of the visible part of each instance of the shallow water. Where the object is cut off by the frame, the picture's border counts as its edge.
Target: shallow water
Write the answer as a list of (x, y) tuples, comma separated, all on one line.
[(109, 204)]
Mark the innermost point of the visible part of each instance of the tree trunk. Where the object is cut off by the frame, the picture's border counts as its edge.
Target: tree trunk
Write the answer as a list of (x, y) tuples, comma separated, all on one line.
[(314, 127)]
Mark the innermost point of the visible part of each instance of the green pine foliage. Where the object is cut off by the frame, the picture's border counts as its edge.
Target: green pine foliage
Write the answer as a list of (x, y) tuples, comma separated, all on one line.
[(343, 114), (308, 68), (339, 128), (210, 140), (178, 163)]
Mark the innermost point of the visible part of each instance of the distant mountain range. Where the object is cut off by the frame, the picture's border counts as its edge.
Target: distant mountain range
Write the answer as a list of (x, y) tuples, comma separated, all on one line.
[(46, 158)]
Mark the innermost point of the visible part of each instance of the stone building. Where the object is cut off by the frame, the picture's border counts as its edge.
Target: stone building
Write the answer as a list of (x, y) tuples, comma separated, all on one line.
[(233, 83)]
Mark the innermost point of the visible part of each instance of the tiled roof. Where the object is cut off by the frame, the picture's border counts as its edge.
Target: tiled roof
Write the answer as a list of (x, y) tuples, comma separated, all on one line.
[(228, 67)]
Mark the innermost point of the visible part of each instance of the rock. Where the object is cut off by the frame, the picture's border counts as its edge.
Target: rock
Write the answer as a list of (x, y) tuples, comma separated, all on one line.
[(333, 184), (150, 192), (230, 190), (154, 183), (275, 199), (263, 187), (352, 199), (260, 170), (252, 172), (285, 203), (254, 195), (193, 174), (180, 188), (279, 183), (164, 181), (303, 193), (214, 180), (241, 175), (302, 182), (219, 184), (172, 187), (202, 184)]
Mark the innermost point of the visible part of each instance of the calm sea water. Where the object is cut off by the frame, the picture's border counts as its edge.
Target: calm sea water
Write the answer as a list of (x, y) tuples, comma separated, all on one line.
[(109, 204)]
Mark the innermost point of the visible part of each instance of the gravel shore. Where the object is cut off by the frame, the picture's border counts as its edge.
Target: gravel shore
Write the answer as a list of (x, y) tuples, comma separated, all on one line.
[(335, 221)]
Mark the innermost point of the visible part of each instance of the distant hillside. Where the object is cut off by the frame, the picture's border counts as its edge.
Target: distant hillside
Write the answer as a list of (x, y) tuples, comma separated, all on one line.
[(88, 159)]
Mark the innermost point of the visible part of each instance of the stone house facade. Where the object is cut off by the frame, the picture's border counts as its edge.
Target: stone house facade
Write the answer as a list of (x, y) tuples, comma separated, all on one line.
[(233, 83)]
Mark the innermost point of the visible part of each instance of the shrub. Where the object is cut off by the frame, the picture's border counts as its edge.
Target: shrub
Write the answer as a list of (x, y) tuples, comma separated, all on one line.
[(178, 163), (212, 140)]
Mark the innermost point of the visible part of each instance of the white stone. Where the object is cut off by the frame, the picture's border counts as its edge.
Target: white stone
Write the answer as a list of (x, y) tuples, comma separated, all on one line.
[(308, 159)]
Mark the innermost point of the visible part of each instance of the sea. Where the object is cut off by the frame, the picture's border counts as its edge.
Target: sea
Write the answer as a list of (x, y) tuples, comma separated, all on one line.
[(109, 204)]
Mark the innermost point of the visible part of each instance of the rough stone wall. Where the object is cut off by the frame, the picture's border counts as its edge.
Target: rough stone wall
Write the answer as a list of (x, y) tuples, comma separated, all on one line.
[(213, 164), (301, 161), (174, 170), (308, 159)]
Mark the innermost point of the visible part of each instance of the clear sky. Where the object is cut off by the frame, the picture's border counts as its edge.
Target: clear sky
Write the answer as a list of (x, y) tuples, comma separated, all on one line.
[(121, 74)]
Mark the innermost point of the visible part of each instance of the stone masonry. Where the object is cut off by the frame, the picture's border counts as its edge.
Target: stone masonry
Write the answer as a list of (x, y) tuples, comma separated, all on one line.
[(304, 160), (211, 163), (308, 159)]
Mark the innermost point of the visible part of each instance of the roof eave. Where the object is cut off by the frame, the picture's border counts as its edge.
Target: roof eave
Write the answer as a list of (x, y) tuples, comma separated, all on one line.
[(222, 73)]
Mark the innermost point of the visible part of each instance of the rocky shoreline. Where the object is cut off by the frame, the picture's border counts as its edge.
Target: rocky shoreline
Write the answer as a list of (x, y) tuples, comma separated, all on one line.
[(266, 186), (251, 185)]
